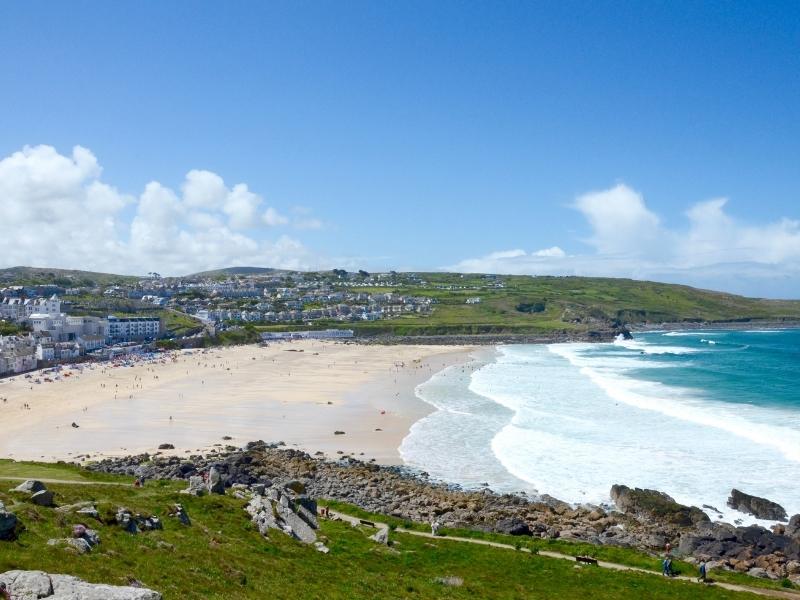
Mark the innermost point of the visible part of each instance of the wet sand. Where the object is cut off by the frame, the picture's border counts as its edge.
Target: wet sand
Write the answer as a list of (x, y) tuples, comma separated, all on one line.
[(299, 393)]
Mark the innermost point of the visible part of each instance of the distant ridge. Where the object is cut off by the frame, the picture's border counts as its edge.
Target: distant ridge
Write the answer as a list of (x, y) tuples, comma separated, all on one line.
[(47, 275), (238, 271)]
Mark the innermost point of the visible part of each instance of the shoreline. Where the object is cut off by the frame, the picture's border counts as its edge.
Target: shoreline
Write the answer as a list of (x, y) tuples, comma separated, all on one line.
[(297, 392)]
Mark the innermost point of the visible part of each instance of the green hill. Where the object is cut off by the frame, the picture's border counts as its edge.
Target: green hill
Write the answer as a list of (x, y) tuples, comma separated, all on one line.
[(61, 277), (222, 555)]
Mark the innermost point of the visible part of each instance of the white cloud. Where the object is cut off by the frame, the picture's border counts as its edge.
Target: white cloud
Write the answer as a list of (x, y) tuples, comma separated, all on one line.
[(310, 223), (57, 212), (273, 218), (204, 189), (713, 250)]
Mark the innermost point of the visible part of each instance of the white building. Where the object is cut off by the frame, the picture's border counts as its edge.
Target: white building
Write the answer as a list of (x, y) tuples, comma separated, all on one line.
[(324, 334), (17, 354), (126, 329)]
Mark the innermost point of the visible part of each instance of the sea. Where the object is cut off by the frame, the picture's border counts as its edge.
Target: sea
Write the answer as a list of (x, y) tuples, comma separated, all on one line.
[(690, 413)]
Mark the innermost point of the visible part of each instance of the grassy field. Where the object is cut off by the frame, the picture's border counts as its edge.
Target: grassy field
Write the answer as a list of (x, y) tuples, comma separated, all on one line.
[(221, 555)]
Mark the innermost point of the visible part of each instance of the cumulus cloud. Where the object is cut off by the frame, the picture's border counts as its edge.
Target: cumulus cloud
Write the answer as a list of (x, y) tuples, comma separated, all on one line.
[(57, 212), (273, 218), (712, 249)]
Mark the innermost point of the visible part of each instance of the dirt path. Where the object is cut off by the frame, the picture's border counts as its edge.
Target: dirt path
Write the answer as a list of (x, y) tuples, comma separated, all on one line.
[(600, 563), (64, 481)]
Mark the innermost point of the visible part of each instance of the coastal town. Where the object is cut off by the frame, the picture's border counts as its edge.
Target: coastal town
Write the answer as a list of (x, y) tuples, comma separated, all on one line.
[(75, 319)]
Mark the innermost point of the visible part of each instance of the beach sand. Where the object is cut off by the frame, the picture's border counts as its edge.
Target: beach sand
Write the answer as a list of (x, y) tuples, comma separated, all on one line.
[(298, 393)]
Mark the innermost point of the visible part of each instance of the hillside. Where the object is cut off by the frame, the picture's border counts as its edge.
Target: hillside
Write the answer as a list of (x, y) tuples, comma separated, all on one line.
[(61, 277), (222, 555), (566, 305), (230, 271)]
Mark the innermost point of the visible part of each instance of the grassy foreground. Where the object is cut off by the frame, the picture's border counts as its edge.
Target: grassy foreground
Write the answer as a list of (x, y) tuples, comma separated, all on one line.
[(221, 555)]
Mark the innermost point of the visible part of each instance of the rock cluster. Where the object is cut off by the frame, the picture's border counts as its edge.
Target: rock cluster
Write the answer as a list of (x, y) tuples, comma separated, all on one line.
[(646, 519), (284, 508), (134, 523), (746, 548), (36, 491), (32, 585), (82, 541)]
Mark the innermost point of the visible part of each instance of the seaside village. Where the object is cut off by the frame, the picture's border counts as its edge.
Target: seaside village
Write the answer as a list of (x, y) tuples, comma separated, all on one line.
[(54, 337), (62, 322)]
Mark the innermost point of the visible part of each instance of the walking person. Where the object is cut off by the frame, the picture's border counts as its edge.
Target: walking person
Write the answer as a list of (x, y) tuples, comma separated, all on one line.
[(701, 577)]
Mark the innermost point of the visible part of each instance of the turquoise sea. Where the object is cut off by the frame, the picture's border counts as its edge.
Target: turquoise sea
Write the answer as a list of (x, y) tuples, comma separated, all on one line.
[(691, 413)]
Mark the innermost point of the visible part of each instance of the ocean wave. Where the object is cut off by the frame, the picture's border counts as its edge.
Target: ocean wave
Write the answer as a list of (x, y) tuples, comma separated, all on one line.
[(693, 333), (647, 348), (685, 405)]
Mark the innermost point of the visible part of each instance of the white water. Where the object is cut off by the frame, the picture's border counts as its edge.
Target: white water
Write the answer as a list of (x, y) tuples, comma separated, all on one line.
[(568, 422)]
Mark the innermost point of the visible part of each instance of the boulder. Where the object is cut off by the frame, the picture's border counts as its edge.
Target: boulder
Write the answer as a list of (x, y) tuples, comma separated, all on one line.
[(42, 498), (32, 585), (215, 483), (8, 524), (793, 527), (166, 447), (656, 507), (381, 536), (197, 486), (81, 545), (761, 508), (512, 527), (30, 487)]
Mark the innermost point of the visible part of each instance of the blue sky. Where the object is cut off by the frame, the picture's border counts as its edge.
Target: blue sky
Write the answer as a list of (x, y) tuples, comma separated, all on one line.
[(407, 135)]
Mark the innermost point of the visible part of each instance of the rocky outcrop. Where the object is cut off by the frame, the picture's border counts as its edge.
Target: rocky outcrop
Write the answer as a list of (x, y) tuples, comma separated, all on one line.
[(761, 508), (8, 524), (649, 519), (134, 523), (32, 585), (282, 508), (656, 507), (36, 492), (82, 541)]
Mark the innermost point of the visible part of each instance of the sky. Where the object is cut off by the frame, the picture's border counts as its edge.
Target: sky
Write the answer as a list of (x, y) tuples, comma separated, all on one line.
[(654, 140)]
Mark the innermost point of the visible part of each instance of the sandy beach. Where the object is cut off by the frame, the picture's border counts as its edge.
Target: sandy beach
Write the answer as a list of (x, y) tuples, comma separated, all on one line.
[(299, 393)]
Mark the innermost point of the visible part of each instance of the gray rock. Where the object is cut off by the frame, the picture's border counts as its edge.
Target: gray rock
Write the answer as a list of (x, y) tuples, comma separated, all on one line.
[(66, 587), (512, 527), (655, 507), (215, 483), (320, 547), (8, 524), (30, 487), (298, 527), (80, 544), (381, 536), (793, 527), (760, 508), (42, 498), (758, 572), (27, 585), (197, 486)]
